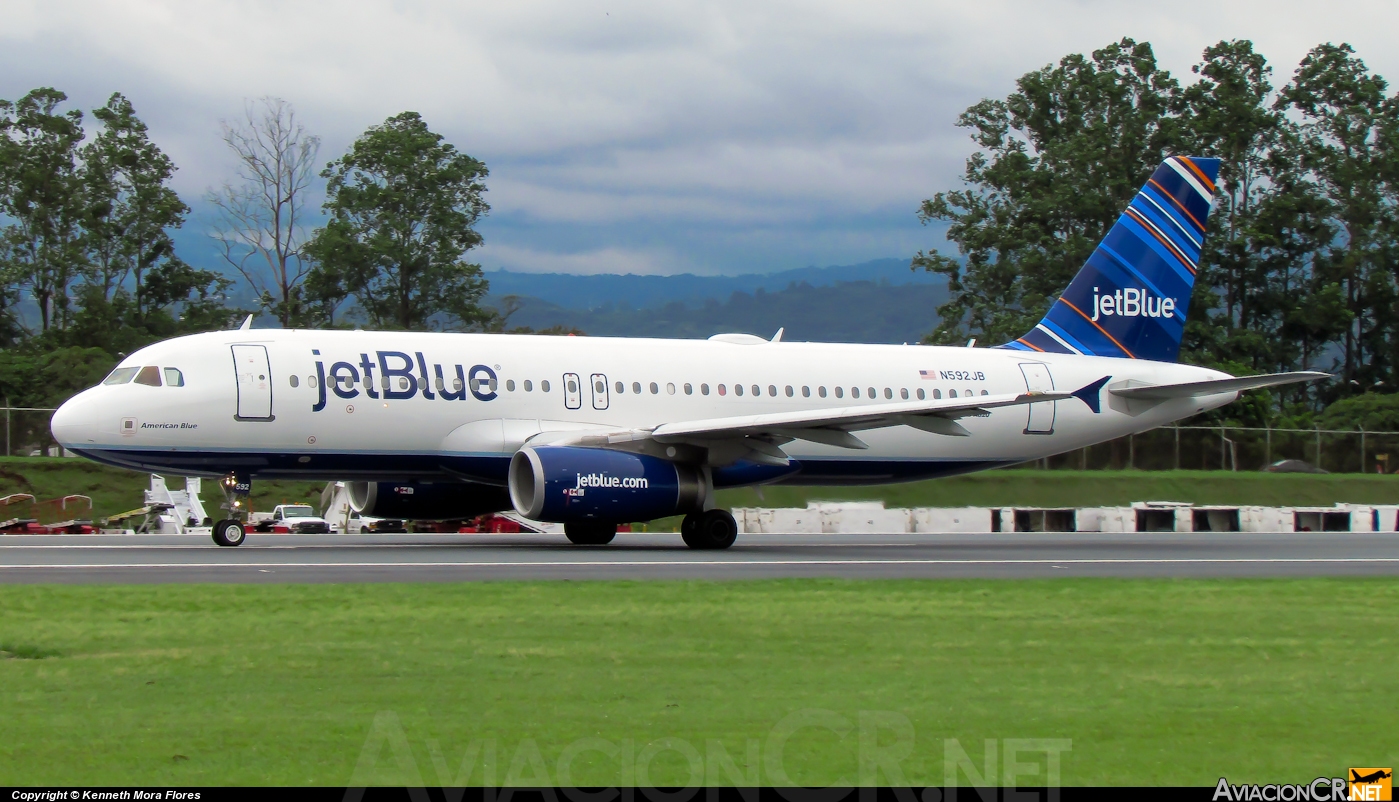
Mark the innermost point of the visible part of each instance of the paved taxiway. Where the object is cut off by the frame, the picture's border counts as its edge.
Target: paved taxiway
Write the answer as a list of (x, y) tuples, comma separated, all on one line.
[(411, 558)]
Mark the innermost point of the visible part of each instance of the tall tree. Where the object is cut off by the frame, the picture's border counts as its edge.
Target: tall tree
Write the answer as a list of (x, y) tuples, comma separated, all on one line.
[(1057, 161), (403, 204), (131, 207), (262, 226), (42, 197), (1345, 114)]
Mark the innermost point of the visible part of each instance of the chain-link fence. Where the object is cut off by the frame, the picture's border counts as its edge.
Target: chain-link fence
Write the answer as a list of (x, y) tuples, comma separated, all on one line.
[(1237, 448), (1210, 448), (27, 432)]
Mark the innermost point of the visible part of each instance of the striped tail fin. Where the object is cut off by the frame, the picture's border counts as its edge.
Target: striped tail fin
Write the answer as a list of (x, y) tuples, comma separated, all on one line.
[(1131, 297)]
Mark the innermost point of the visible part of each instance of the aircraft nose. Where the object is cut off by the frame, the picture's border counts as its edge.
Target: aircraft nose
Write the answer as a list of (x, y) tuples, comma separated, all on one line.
[(75, 422)]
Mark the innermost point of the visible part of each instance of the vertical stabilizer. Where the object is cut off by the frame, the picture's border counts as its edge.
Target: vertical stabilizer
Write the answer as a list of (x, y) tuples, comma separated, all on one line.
[(1131, 297)]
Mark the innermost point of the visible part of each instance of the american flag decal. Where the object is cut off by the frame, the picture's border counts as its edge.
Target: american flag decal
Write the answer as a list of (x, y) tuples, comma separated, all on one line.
[(927, 374)]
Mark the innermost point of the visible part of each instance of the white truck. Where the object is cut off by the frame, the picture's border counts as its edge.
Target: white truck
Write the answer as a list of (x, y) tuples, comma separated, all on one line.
[(298, 519)]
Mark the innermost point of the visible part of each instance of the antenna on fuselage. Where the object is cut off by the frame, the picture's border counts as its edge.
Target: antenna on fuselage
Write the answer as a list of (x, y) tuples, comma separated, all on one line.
[(247, 323)]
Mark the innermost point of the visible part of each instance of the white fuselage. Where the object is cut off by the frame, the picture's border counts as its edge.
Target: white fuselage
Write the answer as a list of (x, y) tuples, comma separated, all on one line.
[(280, 418)]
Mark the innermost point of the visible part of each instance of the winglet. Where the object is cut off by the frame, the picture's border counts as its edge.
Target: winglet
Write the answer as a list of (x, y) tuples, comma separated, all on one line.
[(1092, 394), (777, 338), (247, 323)]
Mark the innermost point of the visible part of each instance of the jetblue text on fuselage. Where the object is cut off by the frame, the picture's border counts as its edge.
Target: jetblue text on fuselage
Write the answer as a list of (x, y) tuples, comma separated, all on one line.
[(1132, 302), (401, 376)]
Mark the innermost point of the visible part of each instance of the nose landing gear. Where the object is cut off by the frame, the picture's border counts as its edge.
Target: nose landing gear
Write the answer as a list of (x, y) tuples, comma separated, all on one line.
[(232, 531), (711, 530)]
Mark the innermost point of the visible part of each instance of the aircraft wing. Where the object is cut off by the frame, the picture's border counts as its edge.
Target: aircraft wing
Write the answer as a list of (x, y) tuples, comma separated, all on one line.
[(762, 434), (1159, 392)]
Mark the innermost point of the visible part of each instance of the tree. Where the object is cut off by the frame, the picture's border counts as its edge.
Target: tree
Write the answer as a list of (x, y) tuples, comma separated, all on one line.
[(1057, 161), (261, 212), (403, 205), (41, 195), (131, 207)]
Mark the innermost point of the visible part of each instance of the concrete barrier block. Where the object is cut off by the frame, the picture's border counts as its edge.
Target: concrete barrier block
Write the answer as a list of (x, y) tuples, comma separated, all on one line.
[(1384, 518), (1106, 519), (865, 520), (951, 519)]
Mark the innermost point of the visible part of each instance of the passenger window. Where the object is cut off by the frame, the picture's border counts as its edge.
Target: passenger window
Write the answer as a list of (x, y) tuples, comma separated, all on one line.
[(757, 391), (636, 387), (529, 385), (704, 389), (854, 392), (572, 386), (806, 391), (544, 386), (120, 376), (890, 393), (654, 388), (599, 387), (174, 378), (722, 390), (903, 393), (510, 385), (295, 380), (150, 375), (738, 389), (840, 392), (456, 385), (951, 393), (937, 395), (967, 393), (983, 392), (789, 391), (921, 396), (403, 384), (872, 394), (772, 390), (670, 388), (621, 388), (689, 390), (821, 391), (311, 382)]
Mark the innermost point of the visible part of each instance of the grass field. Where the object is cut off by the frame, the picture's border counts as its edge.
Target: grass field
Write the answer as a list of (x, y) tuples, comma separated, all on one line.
[(114, 490), (1146, 682)]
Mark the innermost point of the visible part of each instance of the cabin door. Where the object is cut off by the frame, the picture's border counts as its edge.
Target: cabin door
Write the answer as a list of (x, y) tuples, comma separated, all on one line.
[(572, 391), (254, 382), (599, 391), (1038, 380)]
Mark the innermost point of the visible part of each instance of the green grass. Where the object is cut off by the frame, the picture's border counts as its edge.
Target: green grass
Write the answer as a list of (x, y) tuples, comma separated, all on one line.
[(114, 490), (1154, 681)]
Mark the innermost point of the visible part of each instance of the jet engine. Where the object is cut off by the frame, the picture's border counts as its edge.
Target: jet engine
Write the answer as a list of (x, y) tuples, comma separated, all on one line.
[(426, 501), (568, 484)]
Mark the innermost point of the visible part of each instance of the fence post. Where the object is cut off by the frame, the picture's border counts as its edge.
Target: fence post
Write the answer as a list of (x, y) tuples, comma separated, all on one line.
[(1177, 428), (1362, 450), (7, 426), (1318, 445), (1223, 448), (1131, 451), (1268, 445)]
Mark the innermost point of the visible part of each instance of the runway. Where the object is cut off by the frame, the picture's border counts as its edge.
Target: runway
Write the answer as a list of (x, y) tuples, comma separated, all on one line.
[(450, 558)]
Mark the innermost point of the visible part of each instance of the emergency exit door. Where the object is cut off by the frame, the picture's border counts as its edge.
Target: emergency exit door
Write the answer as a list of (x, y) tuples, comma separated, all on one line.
[(572, 392), (254, 382), (600, 395), (1038, 380)]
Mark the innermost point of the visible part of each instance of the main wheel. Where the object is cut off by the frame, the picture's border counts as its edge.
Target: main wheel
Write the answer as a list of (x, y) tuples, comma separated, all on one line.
[(590, 533), (714, 530), (229, 533), (689, 525)]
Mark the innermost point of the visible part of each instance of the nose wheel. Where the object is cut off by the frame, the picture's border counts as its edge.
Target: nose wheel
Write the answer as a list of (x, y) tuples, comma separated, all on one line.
[(237, 490), (229, 533), (711, 530)]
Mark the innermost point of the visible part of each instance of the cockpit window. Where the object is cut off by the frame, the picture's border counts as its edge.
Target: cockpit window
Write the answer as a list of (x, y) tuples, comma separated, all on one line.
[(120, 376), (174, 378), (150, 374)]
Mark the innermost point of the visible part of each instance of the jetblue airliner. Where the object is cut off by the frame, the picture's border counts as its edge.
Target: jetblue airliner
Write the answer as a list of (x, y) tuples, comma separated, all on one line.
[(592, 432)]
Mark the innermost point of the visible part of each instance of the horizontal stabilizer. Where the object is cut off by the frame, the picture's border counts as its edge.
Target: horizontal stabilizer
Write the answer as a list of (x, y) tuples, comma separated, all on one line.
[(1216, 386)]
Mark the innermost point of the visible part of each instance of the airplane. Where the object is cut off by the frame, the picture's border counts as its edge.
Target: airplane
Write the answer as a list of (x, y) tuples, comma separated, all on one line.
[(1372, 777), (592, 432)]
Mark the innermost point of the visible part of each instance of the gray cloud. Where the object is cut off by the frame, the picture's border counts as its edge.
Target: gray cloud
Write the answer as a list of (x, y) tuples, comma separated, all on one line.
[(628, 135)]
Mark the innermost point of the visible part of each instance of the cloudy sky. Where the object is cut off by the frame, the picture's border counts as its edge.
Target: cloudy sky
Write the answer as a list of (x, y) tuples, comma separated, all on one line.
[(627, 136)]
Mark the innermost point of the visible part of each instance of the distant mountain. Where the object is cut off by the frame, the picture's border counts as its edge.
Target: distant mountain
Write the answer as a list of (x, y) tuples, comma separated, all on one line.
[(860, 311), (592, 292)]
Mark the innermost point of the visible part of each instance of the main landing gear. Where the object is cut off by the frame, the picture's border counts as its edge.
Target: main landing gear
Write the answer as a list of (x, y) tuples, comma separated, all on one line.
[(590, 533), (232, 531), (711, 530)]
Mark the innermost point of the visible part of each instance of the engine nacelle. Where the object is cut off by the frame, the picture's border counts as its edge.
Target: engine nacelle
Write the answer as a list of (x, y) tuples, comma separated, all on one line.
[(426, 501), (566, 483)]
